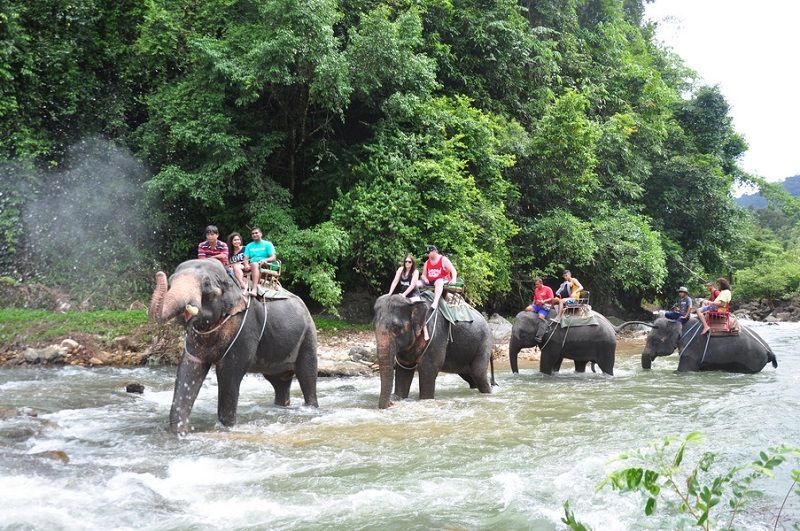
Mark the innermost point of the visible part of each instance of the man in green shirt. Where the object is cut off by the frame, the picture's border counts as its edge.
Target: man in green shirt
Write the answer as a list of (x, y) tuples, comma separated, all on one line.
[(257, 252)]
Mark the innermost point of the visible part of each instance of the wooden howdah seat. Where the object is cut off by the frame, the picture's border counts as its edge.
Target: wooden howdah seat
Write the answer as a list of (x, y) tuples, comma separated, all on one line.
[(452, 293), (719, 321), (271, 276), (579, 304)]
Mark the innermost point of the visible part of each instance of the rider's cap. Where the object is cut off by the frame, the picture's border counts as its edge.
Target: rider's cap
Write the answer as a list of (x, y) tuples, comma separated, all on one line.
[(683, 289), (430, 248)]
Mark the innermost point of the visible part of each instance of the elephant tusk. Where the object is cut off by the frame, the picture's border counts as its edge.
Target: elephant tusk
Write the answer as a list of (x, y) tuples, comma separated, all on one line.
[(192, 310)]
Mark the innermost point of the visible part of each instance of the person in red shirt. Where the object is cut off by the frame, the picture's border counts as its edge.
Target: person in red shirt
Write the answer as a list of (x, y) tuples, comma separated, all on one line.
[(212, 247), (714, 294), (542, 298), (437, 272)]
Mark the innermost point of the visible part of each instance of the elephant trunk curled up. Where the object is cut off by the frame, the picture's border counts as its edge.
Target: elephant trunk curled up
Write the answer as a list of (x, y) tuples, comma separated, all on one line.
[(184, 295)]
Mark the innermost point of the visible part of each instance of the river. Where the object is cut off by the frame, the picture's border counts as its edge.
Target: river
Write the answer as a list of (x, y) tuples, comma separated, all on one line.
[(463, 461)]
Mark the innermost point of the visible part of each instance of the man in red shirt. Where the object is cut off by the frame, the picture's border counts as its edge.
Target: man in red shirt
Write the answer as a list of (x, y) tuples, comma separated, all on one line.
[(438, 271), (714, 294), (542, 296)]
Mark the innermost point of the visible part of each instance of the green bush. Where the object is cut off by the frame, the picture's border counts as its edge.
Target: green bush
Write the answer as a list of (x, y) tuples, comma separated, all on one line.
[(776, 276)]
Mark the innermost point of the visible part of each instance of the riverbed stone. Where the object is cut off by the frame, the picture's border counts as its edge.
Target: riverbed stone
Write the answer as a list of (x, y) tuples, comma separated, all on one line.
[(500, 327), (49, 354), (56, 455), (326, 367), (364, 354), (134, 387)]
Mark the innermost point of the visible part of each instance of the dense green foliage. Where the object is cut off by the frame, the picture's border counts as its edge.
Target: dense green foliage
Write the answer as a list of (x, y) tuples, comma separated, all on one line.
[(519, 137), (705, 497)]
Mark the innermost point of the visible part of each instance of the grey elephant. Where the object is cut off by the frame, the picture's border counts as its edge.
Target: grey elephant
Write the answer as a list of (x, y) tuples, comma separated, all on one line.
[(743, 353), (463, 348), (595, 344), (236, 333)]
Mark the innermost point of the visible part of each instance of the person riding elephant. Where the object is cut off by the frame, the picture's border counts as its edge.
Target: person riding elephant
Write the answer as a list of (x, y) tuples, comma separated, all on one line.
[(742, 353), (464, 348), (235, 333), (595, 343)]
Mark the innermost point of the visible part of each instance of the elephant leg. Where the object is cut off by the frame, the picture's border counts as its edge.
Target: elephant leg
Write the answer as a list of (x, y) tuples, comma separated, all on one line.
[(306, 372), (549, 361), (469, 379), (282, 383), (687, 363), (402, 381), (480, 377), (229, 379), (513, 352), (427, 381), (188, 382), (580, 365), (606, 362)]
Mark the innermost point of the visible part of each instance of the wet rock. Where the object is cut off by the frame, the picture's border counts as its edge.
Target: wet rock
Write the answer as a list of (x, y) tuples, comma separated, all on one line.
[(342, 368), (134, 387), (51, 354), (71, 345), (500, 327), (124, 343), (771, 319), (364, 354), (56, 455), (8, 412)]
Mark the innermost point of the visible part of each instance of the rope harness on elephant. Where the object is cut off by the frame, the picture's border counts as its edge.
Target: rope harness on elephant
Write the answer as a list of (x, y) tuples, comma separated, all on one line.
[(696, 328), (705, 349), (435, 317), (191, 357), (758, 339)]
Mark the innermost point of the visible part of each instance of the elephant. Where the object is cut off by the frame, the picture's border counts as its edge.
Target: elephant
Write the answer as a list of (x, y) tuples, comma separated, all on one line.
[(236, 333), (743, 353), (464, 348), (583, 344)]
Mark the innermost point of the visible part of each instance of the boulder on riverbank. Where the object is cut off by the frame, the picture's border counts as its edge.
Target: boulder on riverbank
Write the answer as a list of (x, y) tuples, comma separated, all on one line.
[(768, 310)]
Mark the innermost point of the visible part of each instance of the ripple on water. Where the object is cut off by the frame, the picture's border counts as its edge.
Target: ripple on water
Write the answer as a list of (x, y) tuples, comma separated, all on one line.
[(464, 460)]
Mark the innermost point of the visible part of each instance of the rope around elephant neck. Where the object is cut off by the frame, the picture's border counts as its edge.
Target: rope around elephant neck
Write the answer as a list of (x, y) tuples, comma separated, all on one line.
[(221, 322), (195, 359), (696, 329), (435, 316), (550, 336)]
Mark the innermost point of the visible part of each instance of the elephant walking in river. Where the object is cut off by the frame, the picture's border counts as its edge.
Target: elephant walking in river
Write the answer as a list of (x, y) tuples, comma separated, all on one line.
[(583, 344), (742, 353), (236, 333), (464, 348)]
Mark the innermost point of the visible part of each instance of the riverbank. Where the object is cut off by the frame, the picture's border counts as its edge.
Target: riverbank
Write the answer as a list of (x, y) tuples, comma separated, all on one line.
[(127, 339)]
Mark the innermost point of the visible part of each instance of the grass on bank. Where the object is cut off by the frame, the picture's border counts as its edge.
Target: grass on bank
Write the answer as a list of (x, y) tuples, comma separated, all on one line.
[(31, 327)]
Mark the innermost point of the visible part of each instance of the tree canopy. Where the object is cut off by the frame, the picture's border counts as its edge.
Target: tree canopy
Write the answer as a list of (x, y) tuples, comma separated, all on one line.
[(521, 137)]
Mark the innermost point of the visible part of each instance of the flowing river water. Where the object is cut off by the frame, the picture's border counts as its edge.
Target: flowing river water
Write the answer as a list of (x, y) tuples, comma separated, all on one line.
[(463, 461)]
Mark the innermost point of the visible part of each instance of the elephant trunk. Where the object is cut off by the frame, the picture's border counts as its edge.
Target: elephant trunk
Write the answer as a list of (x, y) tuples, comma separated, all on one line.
[(647, 360), (622, 326), (157, 300), (184, 295), (387, 353)]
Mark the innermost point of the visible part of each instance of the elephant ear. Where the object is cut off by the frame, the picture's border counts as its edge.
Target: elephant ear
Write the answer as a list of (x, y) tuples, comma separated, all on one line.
[(419, 311)]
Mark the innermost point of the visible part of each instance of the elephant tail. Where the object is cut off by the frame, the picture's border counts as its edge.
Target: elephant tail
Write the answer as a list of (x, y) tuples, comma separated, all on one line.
[(491, 368), (771, 358)]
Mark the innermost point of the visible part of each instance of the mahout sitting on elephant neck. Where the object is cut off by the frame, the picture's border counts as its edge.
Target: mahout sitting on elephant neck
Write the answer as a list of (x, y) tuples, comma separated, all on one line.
[(594, 344), (745, 352)]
